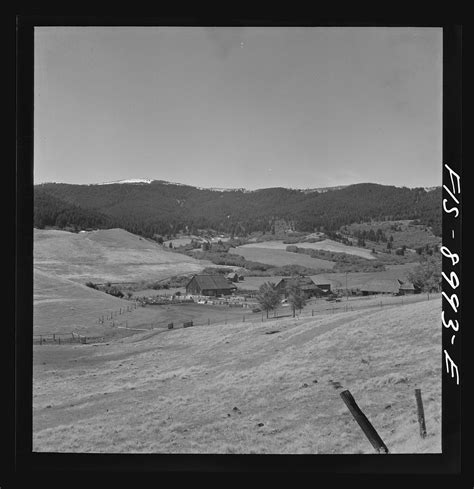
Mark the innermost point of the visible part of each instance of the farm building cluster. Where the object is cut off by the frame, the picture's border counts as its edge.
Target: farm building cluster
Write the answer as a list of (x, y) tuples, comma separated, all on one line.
[(218, 285)]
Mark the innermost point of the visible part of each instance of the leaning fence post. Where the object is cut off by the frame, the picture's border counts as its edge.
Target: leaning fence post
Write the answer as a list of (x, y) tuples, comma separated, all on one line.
[(364, 423), (421, 413)]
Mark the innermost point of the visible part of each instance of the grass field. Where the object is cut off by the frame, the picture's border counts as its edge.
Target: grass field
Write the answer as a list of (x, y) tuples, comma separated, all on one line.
[(326, 245), (61, 306), (235, 389), (111, 255), (279, 257), (408, 234)]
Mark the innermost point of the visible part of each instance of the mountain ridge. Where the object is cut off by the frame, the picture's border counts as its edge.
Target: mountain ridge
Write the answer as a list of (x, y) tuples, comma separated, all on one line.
[(165, 208), (139, 181)]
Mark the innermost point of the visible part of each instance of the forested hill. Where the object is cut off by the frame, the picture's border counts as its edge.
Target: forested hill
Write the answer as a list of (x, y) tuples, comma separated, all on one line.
[(165, 208)]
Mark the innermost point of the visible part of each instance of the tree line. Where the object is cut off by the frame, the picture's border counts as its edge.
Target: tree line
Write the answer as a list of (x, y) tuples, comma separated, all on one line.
[(166, 209)]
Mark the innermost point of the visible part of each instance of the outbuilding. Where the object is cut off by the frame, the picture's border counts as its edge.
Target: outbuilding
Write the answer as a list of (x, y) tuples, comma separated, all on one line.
[(306, 284), (388, 286), (210, 285), (233, 277)]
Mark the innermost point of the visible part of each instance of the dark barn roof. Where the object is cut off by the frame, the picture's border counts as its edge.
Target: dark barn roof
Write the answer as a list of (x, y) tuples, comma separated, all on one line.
[(297, 280), (212, 282), (383, 286), (305, 283)]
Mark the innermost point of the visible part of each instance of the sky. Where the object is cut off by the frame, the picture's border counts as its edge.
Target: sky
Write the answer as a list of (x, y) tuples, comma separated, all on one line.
[(232, 107)]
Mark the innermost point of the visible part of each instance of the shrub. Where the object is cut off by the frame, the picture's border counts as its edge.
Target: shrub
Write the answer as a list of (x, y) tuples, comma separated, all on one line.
[(115, 291)]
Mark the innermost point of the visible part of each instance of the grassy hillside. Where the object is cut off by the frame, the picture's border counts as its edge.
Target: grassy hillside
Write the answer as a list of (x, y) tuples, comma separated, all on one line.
[(236, 389), (111, 255)]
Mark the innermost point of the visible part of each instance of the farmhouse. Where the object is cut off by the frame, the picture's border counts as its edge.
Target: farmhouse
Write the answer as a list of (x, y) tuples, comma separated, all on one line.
[(388, 286), (306, 284), (212, 285)]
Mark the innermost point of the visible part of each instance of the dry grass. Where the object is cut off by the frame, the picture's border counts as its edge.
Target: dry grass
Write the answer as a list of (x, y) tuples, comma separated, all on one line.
[(326, 245), (176, 391), (62, 306), (280, 257), (111, 255)]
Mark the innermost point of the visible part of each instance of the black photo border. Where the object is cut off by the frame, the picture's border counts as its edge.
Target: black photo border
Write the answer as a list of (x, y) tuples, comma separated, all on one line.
[(25, 461)]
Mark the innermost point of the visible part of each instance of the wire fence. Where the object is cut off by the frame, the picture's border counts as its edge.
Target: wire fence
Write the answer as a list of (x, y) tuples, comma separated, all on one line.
[(248, 315)]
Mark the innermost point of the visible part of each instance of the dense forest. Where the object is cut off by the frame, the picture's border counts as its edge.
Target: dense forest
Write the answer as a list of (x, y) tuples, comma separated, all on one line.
[(52, 211), (165, 209)]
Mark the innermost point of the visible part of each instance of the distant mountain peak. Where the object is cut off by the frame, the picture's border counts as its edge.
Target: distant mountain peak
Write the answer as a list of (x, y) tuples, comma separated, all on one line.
[(129, 180)]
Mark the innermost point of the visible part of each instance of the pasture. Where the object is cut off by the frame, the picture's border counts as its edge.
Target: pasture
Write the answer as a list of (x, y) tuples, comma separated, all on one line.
[(111, 255), (279, 257), (406, 233), (62, 306), (237, 389), (325, 244)]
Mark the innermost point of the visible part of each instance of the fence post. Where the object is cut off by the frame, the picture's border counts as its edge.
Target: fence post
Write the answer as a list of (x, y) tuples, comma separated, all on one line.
[(421, 414), (59, 340), (54, 337), (312, 312), (363, 422)]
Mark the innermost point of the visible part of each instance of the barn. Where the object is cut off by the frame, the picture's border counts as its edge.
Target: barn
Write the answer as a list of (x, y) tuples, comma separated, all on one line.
[(306, 284), (387, 286), (324, 287), (211, 285)]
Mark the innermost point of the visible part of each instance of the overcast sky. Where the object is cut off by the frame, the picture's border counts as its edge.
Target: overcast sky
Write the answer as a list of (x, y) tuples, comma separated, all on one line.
[(248, 107)]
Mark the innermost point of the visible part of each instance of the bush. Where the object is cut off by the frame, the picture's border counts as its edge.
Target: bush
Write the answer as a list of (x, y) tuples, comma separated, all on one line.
[(91, 285), (115, 291)]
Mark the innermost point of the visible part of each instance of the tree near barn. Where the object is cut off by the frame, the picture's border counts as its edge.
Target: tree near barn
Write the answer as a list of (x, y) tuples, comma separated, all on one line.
[(427, 274), (268, 297), (296, 297)]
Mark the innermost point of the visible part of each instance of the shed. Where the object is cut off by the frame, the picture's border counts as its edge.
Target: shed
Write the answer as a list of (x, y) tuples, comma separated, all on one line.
[(233, 276), (381, 286), (325, 287), (408, 288), (306, 284), (211, 285)]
